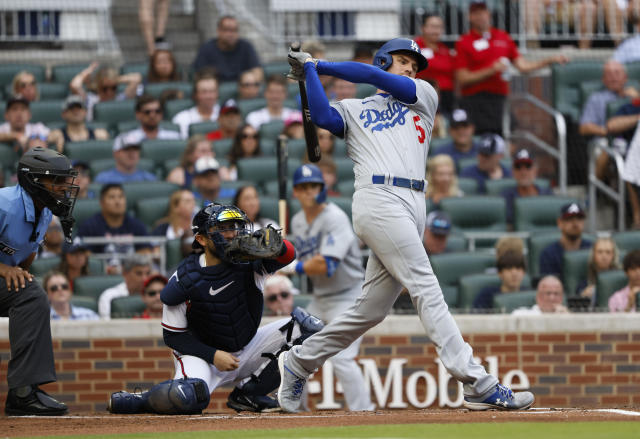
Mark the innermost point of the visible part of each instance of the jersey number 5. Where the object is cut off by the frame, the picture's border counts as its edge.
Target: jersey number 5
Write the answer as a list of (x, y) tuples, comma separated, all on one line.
[(421, 134)]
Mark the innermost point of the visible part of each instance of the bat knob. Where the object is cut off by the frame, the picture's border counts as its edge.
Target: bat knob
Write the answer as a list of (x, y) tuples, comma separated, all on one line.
[(295, 46)]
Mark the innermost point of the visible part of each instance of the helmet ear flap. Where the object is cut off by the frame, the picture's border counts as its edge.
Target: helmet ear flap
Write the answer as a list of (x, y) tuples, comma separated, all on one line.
[(383, 60)]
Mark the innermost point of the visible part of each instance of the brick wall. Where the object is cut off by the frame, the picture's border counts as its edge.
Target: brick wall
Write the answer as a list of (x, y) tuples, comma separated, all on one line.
[(572, 368)]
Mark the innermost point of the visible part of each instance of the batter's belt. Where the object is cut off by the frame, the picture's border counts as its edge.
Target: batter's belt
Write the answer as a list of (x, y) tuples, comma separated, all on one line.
[(409, 183)]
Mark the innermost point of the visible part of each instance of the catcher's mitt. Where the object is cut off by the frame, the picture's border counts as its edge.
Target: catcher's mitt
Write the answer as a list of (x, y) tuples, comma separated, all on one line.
[(265, 243)]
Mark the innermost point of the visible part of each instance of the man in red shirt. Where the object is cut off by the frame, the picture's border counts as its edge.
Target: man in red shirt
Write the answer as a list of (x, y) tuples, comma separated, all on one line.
[(482, 69), (441, 60)]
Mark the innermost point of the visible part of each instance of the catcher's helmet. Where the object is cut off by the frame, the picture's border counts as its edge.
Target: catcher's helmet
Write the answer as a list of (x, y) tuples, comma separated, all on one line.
[(383, 59), (311, 174), (215, 218)]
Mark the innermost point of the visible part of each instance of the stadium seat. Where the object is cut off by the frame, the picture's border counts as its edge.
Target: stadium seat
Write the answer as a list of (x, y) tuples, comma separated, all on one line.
[(468, 186), (608, 283), (535, 214), (9, 70), (296, 148), (339, 148), (437, 144), (130, 125), (268, 147), (291, 103), (96, 266), (302, 300), (456, 243), (156, 89), (271, 130), (471, 284), (162, 150), (263, 169), (93, 286), (52, 90), (365, 90), (202, 127), (566, 80), (46, 111), (150, 210), (89, 150), (237, 184), (8, 157), (170, 164), (508, 302), (42, 266), (451, 295), (246, 106), (276, 68), (537, 243), (468, 161), (343, 203), (85, 208), (476, 213), (574, 270), (449, 266), (495, 187), (269, 208), (222, 148), (127, 307), (613, 107), (629, 240), (346, 188), (64, 73), (271, 189), (344, 168), (138, 67), (171, 108), (112, 112), (227, 90), (589, 87), (100, 165), (146, 190), (293, 89), (173, 248), (85, 302)]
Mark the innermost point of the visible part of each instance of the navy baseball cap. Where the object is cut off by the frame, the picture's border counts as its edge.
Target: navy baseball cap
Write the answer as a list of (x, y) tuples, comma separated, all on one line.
[(16, 99), (75, 246), (523, 155), (439, 223), (572, 210), (491, 144), (459, 117)]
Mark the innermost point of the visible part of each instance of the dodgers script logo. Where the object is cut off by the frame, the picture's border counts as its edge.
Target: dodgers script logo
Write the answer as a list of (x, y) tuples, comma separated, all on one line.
[(394, 114), (307, 247)]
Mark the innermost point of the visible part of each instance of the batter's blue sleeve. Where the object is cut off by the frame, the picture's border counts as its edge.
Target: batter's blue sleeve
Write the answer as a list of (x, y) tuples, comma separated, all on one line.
[(322, 114)]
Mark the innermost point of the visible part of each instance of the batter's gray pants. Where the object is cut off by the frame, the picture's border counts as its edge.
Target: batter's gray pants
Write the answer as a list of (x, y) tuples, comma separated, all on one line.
[(391, 221), (29, 334)]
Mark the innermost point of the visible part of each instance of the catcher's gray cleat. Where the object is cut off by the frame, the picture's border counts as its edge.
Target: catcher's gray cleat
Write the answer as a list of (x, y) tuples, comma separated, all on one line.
[(502, 398), (291, 386)]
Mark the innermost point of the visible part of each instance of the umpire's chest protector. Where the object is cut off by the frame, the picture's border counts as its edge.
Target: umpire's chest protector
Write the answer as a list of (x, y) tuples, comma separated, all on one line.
[(224, 305)]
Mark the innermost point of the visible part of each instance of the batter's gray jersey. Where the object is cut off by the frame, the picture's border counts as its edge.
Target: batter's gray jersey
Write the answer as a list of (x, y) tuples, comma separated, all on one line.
[(387, 137), (330, 234)]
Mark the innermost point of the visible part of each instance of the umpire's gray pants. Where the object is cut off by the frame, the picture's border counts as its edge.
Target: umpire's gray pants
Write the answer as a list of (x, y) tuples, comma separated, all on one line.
[(31, 359), (394, 234)]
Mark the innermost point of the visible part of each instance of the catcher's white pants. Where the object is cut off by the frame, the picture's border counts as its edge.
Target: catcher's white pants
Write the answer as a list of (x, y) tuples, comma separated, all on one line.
[(394, 233)]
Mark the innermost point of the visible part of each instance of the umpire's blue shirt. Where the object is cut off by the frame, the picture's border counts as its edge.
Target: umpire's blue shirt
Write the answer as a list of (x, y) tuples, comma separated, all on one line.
[(17, 219)]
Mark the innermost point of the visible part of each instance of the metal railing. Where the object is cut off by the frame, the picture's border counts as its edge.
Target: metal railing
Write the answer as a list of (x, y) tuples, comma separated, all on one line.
[(129, 242), (597, 147)]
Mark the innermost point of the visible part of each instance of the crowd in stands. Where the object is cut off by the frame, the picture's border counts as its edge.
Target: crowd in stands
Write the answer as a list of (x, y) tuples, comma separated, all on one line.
[(187, 140)]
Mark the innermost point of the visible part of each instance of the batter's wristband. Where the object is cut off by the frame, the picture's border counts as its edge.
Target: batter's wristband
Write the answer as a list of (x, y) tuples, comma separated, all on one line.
[(300, 267)]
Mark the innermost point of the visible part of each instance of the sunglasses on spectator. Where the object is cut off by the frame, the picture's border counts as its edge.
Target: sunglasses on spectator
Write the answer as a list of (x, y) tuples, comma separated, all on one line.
[(152, 111), (26, 84), (274, 297), (106, 88), (249, 136), (55, 288), (152, 293), (249, 84), (522, 165)]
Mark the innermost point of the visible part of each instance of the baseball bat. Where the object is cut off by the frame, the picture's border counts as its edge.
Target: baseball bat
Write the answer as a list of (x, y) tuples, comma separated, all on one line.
[(282, 155), (310, 134)]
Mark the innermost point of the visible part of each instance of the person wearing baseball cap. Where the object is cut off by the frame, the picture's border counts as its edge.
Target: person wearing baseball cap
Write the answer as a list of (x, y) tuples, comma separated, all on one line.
[(126, 153), (74, 113), (436, 232), (524, 171), (461, 130), (151, 289), (229, 122), (571, 225), (17, 130), (490, 151), (206, 180)]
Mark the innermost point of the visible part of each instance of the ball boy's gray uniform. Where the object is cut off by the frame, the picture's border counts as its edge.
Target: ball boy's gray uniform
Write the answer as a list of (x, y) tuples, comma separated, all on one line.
[(388, 138), (330, 235)]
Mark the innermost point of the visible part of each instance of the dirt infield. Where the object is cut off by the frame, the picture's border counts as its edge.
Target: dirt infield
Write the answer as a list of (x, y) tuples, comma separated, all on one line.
[(101, 423)]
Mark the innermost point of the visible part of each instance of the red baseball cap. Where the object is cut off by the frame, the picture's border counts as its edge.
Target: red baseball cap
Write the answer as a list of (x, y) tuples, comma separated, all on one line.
[(155, 277)]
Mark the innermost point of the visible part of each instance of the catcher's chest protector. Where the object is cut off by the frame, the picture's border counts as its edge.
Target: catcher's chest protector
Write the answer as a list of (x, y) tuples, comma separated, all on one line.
[(224, 305)]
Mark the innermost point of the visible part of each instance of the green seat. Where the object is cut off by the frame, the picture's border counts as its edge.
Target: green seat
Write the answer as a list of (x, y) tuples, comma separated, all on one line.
[(629, 240), (344, 169), (276, 68), (93, 286), (534, 214), (9, 70), (222, 148), (587, 88), (85, 302), (271, 189), (53, 90), (96, 266), (263, 169), (346, 187), (537, 242), (271, 130), (296, 148), (137, 67), (608, 283), (476, 213), (156, 88), (450, 267), (339, 148), (148, 189), (46, 111), (451, 295), (89, 150), (574, 269), (343, 203), (436, 144), (613, 107), (365, 90), (162, 150), (469, 186), (471, 284), (508, 302), (112, 112), (8, 157), (227, 90), (173, 248), (42, 266), (173, 107), (127, 307), (302, 300), (269, 208), (202, 127), (456, 243), (84, 209), (566, 80), (150, 210), (246, 106), (130, 125), (64, 73)]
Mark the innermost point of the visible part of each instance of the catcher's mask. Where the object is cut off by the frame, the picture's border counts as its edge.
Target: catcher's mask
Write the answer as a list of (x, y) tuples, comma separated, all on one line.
[(221, 223)]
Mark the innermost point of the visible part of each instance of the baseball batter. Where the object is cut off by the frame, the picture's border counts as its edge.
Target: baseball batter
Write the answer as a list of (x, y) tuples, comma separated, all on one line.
[(387, 138), (329, 254)]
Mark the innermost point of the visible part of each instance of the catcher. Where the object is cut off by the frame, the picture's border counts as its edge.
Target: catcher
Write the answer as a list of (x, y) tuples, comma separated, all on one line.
[(212, 310)]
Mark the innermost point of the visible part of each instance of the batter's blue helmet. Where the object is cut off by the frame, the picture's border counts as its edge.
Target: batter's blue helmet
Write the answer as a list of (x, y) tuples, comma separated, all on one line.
[(383, 59), (311, 174)]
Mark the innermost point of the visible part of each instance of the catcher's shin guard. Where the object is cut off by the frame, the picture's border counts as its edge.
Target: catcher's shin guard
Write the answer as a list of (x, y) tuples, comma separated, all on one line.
[(184, 396)]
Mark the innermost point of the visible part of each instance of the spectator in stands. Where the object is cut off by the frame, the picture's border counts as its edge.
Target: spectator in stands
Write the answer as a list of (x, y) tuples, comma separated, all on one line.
[(74, 113), (629, 50), (342, 89), (549, 298), (461, 130), (106, 81), (624, 122), (206, 181), (509, 244), (162, 67), (524, 171), (197, 146), (318, 50), (436, 233), (443, 183), (490, 151), (74, 262), (483, 60), (246, 144), (228, 54), (326, 140), (53, 239), (248, 200), (571, 225), (126, 154), (278, 295), (177, 223), (329, 175), (59, 293), (152, 288), (113, 220), (205, 96), (83, 180), (631, 175), (229, 122), (17, 130), (293, 128), (149, 115), (135, 269), (152, 39), (511, 270), (439, 130), (249, 85), (275, 95), (578, 15), (625, 300), (441, 60), (604, 256), (25, 84)]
